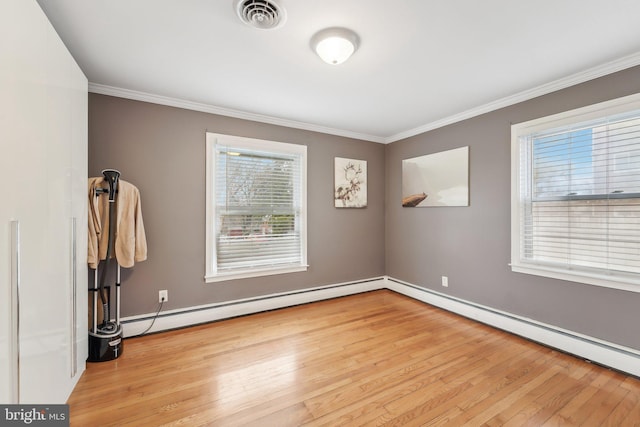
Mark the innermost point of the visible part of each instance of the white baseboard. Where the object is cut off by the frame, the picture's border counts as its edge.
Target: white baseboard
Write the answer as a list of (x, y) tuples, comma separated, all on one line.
[(602, 352), (136, 325)]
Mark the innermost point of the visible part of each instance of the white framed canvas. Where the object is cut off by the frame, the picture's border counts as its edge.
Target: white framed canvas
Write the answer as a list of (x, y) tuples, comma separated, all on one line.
[(439, 179), (350, 184)]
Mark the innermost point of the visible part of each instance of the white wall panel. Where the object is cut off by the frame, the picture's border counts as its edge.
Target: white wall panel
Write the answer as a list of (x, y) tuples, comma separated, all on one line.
[(43, 120)]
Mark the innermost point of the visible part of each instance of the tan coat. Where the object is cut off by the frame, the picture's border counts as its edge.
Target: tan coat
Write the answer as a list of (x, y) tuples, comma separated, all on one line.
[(130, 240)]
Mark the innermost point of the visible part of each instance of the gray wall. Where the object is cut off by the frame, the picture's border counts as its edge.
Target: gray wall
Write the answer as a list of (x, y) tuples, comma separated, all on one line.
[(161, 150), (471, 245)]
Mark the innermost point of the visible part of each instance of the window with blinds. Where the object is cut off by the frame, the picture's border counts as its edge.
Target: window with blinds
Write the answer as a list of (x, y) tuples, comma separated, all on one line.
[(576, 201), (256, 207)]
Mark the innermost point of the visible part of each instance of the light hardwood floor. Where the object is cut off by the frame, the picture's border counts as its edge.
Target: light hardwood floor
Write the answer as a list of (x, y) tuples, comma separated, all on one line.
[(377, 358)]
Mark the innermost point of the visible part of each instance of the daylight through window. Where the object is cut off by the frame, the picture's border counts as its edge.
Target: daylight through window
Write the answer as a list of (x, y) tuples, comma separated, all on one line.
[(576, 195), (256, 207)]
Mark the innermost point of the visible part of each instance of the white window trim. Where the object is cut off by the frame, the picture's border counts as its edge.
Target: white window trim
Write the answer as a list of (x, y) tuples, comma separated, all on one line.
[(627, 282), (211, 275)]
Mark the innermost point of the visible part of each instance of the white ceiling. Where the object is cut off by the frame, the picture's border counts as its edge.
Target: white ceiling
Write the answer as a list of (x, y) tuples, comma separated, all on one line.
[(421, 63)]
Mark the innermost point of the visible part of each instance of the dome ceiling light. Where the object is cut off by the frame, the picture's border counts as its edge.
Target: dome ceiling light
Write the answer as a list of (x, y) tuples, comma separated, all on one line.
[(335, 45)]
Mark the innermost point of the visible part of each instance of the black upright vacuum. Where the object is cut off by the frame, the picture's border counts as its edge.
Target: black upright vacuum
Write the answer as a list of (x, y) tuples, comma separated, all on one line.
[(105, 337)]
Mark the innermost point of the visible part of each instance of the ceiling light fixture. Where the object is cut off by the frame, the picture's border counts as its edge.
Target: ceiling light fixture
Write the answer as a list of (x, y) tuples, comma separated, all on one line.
[(334, 45)]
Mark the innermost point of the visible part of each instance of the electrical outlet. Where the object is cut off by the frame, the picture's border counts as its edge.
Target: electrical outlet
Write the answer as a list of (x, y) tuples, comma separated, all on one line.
[(163, 296), (445, 281)]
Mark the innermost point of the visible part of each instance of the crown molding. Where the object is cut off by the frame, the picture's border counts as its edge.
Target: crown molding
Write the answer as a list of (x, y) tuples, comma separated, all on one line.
[(228, 112), (565, 82)]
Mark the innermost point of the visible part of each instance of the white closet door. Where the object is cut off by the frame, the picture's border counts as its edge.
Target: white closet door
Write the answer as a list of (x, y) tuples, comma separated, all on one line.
[(79, 174), (38, 108), (46, 339), (22, 81)]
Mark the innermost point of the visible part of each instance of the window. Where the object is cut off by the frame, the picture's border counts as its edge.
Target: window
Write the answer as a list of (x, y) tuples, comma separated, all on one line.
[(576, 195), (256, 207)]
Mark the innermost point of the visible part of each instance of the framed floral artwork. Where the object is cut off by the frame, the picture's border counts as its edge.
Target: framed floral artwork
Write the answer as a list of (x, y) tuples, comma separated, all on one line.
[(350, 185)]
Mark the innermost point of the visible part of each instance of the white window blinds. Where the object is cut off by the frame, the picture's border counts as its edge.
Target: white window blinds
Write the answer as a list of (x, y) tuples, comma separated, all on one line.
[(258, 204), (579, 197)]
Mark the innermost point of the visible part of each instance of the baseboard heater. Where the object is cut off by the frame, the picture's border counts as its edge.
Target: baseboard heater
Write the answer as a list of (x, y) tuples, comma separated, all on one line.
[(598, 351), (173, 319), (594, 350)]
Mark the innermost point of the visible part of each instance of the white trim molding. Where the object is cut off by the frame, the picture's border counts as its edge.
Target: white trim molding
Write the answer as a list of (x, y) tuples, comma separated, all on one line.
[(562, 83), (556, 85), (227, 112), (605, 353)]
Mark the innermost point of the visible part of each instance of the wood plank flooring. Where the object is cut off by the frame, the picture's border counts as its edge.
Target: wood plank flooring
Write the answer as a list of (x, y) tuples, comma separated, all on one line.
[(374, 359)]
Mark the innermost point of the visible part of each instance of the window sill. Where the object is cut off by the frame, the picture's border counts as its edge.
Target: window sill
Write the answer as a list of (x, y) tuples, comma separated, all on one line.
[(246, 274), (629, 282)]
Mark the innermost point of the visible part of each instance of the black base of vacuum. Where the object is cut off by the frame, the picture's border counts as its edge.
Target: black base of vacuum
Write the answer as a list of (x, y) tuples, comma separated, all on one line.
[(105, 346)]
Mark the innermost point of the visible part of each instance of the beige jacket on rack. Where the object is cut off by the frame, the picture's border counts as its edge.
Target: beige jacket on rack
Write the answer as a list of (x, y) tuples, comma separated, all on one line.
[(130, 243)]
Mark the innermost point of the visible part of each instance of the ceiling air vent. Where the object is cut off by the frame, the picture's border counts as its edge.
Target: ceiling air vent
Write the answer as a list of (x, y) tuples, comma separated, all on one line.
[(262, 14)]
